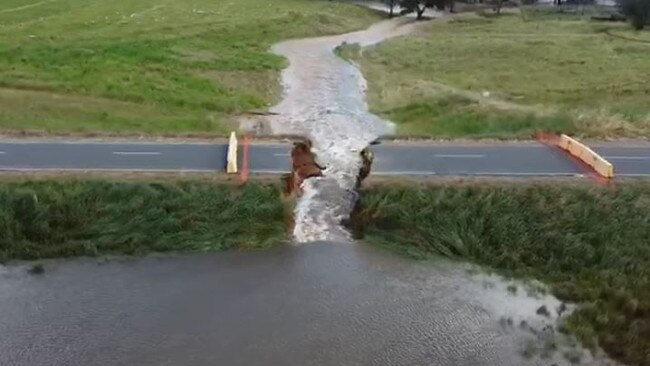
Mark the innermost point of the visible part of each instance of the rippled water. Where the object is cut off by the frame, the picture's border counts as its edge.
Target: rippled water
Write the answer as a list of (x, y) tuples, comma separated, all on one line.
[(324, 99), (319, 304)]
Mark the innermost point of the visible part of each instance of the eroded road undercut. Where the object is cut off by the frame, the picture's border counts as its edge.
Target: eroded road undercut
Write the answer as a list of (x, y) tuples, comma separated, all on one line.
[(309, 180)]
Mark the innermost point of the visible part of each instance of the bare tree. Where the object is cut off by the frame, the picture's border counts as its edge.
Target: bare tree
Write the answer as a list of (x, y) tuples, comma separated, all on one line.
[(391, 6), (637, 11), (498, 4), (417, 6)]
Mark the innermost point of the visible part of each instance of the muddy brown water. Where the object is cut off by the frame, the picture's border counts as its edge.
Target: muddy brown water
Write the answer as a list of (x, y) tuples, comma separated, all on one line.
[(316, 304)]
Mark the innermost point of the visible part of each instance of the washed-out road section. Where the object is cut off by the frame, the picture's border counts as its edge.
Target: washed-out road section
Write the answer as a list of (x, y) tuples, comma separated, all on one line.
[(514, 159)]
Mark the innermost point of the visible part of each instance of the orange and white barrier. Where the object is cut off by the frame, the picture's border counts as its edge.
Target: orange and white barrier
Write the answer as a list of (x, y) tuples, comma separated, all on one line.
[(231, 159), (243, 174), (586, 155)]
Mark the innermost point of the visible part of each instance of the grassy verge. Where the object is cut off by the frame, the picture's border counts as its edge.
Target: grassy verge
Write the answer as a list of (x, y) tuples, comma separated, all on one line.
[(455, 116), (590, 244), (42, 219), (487, 76), (151, 66)]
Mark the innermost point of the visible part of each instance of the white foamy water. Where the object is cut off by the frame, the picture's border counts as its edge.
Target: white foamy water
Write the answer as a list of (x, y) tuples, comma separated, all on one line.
[(324, 100)]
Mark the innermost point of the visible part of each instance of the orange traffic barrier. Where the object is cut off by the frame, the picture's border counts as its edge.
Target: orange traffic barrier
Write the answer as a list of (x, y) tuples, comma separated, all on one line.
[(231, 159), (586, 155), (243, 176)]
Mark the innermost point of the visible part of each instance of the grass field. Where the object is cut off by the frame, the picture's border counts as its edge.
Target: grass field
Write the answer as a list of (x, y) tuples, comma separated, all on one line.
[(590, 244), (62, 218), (541, 70), (149, 66)]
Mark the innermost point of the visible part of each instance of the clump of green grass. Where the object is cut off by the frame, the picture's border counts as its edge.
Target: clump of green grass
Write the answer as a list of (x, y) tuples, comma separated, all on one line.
[(590, 244), (543, 310), (37, 269), (348, 51), (86, 218), (150, 66)]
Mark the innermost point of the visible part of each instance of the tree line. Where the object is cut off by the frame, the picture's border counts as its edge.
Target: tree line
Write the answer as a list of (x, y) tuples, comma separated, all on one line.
[(636, 11), (416, 6)]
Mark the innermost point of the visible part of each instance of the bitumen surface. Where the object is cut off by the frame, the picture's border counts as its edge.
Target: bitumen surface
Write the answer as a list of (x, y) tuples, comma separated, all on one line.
[(480, 159), (628, 160)]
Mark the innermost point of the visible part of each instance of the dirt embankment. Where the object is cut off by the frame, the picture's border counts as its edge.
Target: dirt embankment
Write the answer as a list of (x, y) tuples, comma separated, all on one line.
[(305, 166)]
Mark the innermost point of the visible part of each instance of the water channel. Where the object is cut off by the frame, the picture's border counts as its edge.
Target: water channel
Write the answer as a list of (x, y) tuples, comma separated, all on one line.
[(324, 100)]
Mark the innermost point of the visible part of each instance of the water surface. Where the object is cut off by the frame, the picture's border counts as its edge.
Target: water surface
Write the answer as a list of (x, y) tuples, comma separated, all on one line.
[(316, 304)]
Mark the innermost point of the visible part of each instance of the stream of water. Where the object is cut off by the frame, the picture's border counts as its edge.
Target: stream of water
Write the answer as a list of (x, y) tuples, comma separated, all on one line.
[(324, 100)]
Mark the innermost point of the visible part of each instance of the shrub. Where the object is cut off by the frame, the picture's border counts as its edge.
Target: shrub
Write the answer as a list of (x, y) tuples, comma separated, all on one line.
[(637, 11)]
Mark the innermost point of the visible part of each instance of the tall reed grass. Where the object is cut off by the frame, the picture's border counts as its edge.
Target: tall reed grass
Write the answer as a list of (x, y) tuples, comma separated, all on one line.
[(590, 244), (60, 219)]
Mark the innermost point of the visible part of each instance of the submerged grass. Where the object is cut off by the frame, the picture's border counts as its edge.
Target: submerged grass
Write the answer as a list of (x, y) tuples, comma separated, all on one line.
[(473, 76), (590, 244), (42, 219)]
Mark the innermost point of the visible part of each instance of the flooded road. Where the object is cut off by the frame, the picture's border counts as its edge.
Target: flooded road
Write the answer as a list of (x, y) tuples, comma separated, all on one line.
[(324, 100), (318, 304)]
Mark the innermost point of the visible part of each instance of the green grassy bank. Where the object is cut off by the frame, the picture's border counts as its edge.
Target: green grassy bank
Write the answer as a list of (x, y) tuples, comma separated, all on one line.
[(42, 219), (486, 76), (590, 244), (150, 66)]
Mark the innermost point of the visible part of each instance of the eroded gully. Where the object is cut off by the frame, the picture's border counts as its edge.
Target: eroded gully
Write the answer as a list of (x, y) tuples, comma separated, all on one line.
[(324, 100)]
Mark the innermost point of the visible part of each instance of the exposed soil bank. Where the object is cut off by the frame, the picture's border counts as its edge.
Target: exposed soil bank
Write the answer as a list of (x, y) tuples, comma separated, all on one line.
[(590, 244)]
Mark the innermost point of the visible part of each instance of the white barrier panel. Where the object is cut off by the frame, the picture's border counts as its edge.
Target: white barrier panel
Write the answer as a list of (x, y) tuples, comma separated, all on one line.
[(588, 156), (231, 166)]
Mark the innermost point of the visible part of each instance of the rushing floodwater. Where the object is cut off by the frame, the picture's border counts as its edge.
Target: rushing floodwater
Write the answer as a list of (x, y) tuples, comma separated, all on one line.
[(319, 304), (324, 99)]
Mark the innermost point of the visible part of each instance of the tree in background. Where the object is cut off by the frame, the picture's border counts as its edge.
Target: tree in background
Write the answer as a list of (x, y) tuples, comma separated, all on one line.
[(442, 4), (419, 6), (391, 6), (498, 4), (637, 11)]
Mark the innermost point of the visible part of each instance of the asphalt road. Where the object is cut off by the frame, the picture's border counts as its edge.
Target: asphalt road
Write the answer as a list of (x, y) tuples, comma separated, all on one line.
[(630, 160), (499, 159)]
